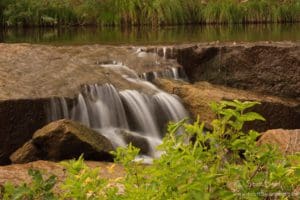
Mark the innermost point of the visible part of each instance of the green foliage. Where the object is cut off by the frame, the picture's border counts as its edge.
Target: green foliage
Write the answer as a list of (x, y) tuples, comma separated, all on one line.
[(83, 182), (38, 189), (225, 163), (145, 12), (210, 166)]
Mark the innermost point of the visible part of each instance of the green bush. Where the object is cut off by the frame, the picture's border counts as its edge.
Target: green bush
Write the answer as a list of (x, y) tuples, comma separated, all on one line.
[(225, 163)]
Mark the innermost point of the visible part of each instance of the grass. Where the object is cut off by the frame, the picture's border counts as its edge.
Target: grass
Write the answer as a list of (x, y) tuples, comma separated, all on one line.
[(146, 12)]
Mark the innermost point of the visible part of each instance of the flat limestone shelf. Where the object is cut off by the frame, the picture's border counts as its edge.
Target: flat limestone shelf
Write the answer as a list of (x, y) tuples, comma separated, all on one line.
[(40, 71)]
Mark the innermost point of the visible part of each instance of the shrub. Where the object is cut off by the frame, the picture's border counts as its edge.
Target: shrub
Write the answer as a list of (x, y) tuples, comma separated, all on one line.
[(223, 164)]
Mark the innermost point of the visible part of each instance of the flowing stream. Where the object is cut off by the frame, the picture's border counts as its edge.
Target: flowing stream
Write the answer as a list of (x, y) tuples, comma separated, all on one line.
[(122, 114)]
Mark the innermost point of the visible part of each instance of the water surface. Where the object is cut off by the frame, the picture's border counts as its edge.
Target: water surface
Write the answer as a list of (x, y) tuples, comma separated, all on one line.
[(148, 35)]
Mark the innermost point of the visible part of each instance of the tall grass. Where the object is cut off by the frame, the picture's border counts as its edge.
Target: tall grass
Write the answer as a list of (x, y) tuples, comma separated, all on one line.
[(146, 12)]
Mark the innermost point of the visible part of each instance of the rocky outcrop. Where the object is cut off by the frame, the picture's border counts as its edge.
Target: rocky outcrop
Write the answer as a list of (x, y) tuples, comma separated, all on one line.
[(31, 75), (40, 71), (272, 68), (279, 112), (64, 139), (288, 141)]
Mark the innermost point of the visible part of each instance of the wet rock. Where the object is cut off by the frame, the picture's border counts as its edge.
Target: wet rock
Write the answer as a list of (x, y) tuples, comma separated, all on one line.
[(272, 68), (288, 141), (279, 112), (136, 140), (64, 139)]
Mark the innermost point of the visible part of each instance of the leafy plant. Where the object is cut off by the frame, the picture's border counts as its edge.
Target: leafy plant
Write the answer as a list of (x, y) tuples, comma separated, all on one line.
[(225, 163), (83, 182), (38, 189)]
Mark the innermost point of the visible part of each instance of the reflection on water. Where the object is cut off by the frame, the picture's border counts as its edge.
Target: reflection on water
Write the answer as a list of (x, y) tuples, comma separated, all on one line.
[(147, 35)]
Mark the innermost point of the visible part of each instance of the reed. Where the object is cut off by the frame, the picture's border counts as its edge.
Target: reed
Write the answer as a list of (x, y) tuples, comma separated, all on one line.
[(146, 12)]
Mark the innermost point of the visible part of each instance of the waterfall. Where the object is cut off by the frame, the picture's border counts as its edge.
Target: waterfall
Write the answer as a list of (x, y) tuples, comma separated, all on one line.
[(140, 106), (80, 112), (171, 106), (123, 115), (176, 73), (106, 110), (165, 52), (58, 109)]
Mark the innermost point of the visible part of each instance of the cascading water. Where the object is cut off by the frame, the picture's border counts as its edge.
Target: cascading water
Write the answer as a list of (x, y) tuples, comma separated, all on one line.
[(176, 73), (164, 52), (58, 109), (114, 113), (140, 105), (165, 59)]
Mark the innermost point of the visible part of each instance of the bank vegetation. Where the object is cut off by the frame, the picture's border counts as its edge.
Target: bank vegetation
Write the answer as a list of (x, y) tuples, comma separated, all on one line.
[(146, 12)]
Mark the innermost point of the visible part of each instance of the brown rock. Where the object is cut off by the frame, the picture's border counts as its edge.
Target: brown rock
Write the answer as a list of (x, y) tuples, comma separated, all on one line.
[(28, 152), (279, 112), (40, 71), (288, 141), (272, 68), (136, 140), (64, 139), (19, 119), (18, 173)]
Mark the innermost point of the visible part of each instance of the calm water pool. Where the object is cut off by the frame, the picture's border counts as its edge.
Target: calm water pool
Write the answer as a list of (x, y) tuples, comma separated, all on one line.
[(148, 35)]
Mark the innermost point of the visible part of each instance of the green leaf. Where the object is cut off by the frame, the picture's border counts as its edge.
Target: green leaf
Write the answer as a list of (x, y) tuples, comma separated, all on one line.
[(50, 182), (36, 175), (251, 116)]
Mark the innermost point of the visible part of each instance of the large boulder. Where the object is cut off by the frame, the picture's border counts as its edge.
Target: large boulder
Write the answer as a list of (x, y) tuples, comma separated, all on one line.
[(279, 112), (288, 141), (272, 68), (64, 139)]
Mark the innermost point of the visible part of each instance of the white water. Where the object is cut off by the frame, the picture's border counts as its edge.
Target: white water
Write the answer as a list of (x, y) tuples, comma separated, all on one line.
[(165, 52), (142, 110), (58, 108), (170, 73), (108, 111)]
